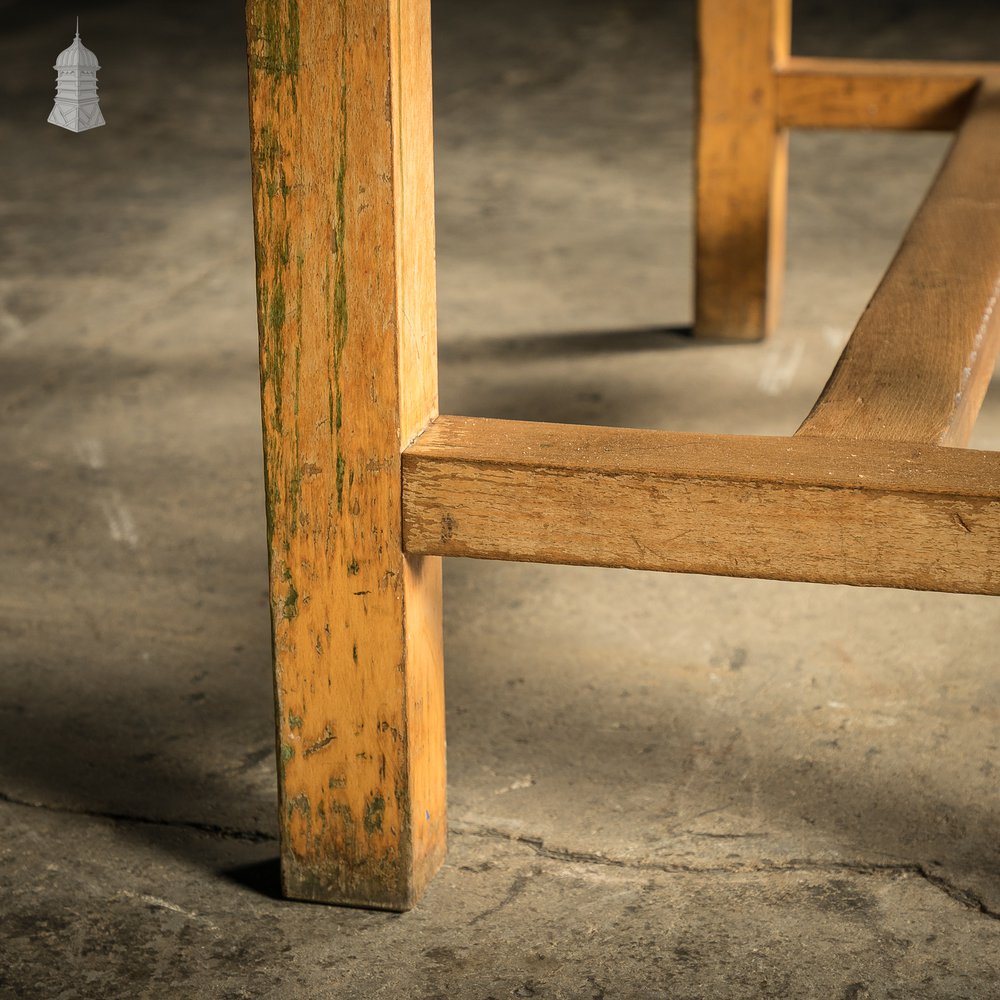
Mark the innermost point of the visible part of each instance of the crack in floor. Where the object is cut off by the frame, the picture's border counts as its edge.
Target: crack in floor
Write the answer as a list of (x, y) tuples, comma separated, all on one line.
[(964, 897), (212, 829)]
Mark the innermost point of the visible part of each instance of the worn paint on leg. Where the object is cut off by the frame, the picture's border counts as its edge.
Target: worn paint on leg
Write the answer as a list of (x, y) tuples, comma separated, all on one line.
[(343, 208)]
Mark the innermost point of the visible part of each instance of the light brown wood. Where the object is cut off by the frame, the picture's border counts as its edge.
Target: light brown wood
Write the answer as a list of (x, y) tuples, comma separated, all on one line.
[(340, 98), (741, 168), (880, 514), (920, 359), (872, 93), (366, 488)]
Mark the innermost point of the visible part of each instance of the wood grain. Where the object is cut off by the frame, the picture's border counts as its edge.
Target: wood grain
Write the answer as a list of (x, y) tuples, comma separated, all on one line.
[(340, 101), (874, 93), (742, 162), (920, 359), (882, 514)]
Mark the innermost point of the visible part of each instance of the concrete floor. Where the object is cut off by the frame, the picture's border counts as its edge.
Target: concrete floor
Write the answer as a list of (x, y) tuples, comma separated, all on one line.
[(660, 786)]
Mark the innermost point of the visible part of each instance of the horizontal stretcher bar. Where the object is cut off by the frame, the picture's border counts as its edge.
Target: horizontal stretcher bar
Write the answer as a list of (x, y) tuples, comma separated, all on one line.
[(871, 93), (871, 513), (919, 361)]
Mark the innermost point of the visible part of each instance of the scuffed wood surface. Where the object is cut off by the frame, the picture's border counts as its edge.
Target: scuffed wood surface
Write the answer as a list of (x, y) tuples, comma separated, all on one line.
[(920, 359), (343, 207), (742, 166), (875, 93), (877, 514)]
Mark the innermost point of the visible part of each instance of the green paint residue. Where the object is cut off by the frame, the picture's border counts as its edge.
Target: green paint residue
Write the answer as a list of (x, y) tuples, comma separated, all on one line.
[(291, 606), (294, 721), (295, 492), (353, 568), (340, 481), (340, 277), (279, 54), (340, 283), (292, 48), (268, 155), (274, 353), (402, 798), (272, 497), (276, 317), (270, 292), (298, 352), (341, 809), (299, 804), (282, 250), (287, 753), (374, 814)]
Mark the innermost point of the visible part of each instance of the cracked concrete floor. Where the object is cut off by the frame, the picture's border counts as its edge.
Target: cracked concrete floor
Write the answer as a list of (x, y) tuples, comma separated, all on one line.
[(660, 786)]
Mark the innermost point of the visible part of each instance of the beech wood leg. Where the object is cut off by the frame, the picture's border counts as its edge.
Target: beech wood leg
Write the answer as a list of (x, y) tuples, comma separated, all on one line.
[(340, 96), (742, 167)]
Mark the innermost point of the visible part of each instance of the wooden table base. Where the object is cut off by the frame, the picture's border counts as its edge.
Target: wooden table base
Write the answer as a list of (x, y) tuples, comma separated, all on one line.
[(367, 486)]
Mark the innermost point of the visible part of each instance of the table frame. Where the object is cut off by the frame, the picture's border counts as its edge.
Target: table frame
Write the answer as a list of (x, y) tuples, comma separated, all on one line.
[(367, 487)]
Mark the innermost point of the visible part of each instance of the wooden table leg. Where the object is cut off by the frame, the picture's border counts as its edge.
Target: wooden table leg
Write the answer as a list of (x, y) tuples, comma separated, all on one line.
[(742, 162), (340, 96)]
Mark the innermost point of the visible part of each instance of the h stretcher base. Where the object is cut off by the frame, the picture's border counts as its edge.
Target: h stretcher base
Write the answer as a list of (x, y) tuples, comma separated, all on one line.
[(368, 486)]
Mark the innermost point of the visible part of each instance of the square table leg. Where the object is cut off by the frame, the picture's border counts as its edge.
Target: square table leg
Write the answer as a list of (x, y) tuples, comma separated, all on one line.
[(340, 97)]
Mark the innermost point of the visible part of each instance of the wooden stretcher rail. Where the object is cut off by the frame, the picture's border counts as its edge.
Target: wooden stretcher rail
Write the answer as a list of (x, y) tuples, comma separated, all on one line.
[(920, 359), (879, 514), (869, 93)]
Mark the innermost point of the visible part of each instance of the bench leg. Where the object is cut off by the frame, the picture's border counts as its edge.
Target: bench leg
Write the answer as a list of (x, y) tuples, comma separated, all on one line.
[(340, 96), (742, 161)]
